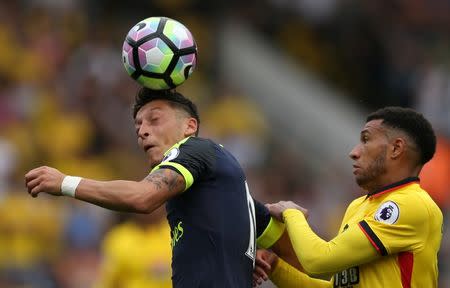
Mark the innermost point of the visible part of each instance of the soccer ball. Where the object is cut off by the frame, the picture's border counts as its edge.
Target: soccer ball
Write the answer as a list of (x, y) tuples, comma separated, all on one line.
[(159, 53)]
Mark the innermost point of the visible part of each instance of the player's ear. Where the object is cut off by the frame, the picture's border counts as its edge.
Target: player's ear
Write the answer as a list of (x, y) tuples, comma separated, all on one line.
[(398, 147), (191, 126)]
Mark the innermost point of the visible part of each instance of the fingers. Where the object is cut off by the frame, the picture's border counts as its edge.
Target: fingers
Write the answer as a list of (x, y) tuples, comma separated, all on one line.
[(305, 212), (35, 191), (263, 268), (260, 273), (257, 280), (35, 172), (33, 186), (33, 181), (263, 264), (40, 179), (276, 211)]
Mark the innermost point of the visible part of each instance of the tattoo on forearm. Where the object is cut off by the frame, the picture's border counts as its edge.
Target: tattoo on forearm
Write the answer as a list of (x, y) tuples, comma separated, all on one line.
[(166, 179)]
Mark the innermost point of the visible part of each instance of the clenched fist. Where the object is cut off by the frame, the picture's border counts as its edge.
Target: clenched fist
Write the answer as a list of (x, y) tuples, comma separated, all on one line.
[(44, 179)]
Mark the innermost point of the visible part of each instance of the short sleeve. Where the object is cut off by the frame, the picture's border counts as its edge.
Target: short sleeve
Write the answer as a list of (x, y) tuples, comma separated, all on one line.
[(268, 229), (262, 215), (192, 157)]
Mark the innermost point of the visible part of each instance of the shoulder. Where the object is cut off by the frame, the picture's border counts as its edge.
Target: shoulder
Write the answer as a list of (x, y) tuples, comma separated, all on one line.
[(413, 206), (190, 148), (193, 141), (191, 157), (198, 142), (352, 206), (194, 145), (197, 149), (414, 198), (356, 203)]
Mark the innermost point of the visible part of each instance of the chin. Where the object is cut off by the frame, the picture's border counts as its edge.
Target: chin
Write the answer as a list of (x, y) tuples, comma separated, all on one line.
[(154, 162), (363, 183)]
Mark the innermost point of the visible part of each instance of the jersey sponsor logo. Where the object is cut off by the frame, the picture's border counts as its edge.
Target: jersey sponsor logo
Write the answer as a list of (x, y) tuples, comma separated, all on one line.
[(177, 233), (346, 278), (173, 153), (387, 213)]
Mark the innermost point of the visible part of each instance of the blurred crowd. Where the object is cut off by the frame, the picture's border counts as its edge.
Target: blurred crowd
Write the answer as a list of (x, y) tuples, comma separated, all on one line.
[(65, 101)]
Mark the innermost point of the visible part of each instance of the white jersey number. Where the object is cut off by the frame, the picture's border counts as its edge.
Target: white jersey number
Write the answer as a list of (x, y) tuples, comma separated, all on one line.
[(251, 250)]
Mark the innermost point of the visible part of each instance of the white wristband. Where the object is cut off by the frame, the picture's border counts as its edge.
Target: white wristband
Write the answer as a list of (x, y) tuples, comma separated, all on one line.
[(69, 185)]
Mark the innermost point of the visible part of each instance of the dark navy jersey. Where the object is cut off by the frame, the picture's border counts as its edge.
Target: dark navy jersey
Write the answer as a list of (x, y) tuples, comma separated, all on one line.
[(213, 221)]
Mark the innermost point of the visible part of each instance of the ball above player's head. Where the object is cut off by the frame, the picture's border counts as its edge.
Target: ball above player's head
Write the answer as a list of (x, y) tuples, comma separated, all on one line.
[(159, 53)]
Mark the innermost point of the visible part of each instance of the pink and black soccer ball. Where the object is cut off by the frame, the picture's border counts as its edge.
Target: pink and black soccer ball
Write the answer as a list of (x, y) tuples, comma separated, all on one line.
[(159, 53)]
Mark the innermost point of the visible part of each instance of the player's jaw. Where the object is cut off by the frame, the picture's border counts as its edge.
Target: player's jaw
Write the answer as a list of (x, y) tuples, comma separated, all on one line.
[(159, 144), (368, 175), (154, 153)]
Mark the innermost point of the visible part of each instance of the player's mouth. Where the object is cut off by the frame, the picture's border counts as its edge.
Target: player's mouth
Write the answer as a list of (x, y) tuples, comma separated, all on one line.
[(355, 168), (148, 147)]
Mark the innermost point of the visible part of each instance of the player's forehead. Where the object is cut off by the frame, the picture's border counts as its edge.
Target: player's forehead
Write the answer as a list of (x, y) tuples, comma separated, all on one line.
[(374, 127), (153, 107)]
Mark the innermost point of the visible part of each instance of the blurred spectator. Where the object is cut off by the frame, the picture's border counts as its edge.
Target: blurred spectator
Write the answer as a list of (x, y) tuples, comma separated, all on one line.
[(25, 253), (239, 125), (137, 253)]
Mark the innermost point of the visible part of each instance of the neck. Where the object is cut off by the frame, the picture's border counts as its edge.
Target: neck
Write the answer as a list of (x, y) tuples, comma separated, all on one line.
[(392, 177), (393, 186)]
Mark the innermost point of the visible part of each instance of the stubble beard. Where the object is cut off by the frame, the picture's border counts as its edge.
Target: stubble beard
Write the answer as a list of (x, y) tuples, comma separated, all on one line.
[(368, 179)]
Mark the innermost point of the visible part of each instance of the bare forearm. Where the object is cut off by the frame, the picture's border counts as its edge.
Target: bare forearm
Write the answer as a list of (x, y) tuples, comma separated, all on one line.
[(119, 195), (283, 248)]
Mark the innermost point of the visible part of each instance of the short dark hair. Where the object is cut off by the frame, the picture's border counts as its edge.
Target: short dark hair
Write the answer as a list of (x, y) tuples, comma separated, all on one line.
[(175, 99), (413, 124)]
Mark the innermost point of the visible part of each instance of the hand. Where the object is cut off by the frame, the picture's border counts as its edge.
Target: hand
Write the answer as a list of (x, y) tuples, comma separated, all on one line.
[(277, 209), (44, 179), (265, 260)]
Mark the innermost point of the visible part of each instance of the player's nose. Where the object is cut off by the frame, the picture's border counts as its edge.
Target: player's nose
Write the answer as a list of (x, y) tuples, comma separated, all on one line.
[(354, 154), (143, 132)]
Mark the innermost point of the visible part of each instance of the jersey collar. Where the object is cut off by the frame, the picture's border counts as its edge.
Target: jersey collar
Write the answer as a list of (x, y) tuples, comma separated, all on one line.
[(176, 145), (394, 186)]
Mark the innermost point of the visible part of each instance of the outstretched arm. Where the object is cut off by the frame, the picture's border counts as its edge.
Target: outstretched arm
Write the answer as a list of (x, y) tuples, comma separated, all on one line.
[(283, 248), (350, 248), (273, 235), (281, 273), (121, 195)]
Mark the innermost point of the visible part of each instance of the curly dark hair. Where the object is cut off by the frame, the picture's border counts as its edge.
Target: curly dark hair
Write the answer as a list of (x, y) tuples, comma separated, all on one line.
[(413, 124), (175, 99)]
